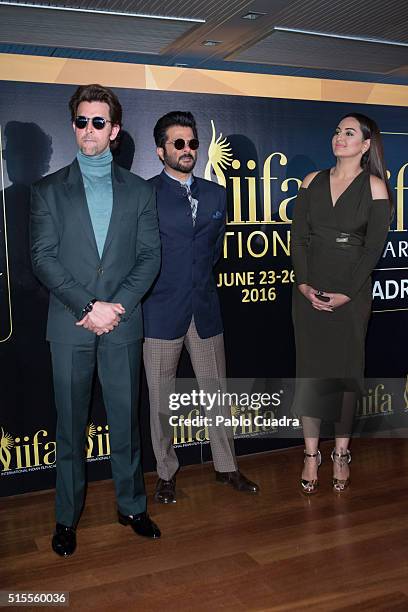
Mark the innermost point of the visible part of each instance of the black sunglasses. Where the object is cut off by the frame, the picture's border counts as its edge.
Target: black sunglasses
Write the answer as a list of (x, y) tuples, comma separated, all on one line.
[(98, 122), (180, 143)]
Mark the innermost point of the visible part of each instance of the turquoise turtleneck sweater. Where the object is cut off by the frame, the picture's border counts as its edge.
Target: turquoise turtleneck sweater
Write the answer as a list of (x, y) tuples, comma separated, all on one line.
[(96, 174)]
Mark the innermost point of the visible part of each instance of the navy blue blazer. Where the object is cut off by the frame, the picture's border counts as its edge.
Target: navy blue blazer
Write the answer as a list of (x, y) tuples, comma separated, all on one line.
[(186, 285)]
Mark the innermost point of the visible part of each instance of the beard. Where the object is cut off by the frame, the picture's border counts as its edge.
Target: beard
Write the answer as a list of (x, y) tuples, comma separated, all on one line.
[(184, 164)]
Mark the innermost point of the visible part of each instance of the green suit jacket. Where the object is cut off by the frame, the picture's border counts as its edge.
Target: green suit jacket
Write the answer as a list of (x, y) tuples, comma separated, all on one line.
[(66, 260)]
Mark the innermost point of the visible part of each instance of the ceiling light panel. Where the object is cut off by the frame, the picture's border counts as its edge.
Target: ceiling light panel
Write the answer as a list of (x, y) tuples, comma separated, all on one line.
[(365, 18), (88, 31), (199, 10), (307, 51)]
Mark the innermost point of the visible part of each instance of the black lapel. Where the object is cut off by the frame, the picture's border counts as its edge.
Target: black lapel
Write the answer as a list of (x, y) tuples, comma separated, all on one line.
[(76, 193), (120, 192)]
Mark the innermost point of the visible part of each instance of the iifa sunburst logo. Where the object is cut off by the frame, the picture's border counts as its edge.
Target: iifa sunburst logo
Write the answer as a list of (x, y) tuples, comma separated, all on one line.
[(222, 157)]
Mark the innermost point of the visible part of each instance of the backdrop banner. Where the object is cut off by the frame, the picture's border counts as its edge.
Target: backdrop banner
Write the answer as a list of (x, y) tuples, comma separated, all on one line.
[(259, 149)]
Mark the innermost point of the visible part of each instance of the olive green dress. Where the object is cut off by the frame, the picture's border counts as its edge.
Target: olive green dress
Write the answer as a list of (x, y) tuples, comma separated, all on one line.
[(334, 249)]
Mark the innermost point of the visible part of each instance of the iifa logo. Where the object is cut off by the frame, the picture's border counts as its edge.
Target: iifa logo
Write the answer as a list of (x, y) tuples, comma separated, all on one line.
[(97, 442), (36, 452), (26, 452), (376, 402), (190, 429), (221, 157), (250, 422), (193, 428)]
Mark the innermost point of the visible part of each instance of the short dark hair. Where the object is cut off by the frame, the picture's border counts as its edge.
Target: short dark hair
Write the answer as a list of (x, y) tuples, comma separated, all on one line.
[(182, 118), (97, 93)]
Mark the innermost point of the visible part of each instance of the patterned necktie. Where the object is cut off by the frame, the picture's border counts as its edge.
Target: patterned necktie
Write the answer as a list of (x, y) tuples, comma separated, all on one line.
[(193, 201)]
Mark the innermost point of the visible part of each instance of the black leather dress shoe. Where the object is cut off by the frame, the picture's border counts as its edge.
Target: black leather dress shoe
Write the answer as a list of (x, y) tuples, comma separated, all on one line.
[(141, 524), (64, 540), (166, 491), (237, 480)]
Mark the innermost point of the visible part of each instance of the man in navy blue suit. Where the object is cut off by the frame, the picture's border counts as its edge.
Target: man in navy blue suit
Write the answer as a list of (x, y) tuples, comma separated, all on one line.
[(182, 307)]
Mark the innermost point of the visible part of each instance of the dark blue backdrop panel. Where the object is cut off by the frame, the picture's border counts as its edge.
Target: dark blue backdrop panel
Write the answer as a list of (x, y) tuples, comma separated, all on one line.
[(268, 144)]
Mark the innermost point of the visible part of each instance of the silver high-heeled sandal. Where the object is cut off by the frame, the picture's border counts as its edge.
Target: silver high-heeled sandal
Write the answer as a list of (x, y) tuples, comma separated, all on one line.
[(342, 459), (309, 487)]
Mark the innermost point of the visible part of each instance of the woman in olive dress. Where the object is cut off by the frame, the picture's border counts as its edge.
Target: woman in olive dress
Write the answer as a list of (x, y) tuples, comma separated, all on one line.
[(341, 220)]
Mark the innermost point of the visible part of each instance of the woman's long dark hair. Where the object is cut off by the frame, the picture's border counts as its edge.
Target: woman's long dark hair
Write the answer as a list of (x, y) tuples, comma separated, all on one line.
[(373, 158)]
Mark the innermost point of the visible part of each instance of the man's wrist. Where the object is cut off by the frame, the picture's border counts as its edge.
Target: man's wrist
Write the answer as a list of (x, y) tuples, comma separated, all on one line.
[(88, 308)]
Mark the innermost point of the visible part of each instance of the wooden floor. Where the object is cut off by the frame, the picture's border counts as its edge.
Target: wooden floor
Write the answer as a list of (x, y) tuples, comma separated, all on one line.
[(224, 550)]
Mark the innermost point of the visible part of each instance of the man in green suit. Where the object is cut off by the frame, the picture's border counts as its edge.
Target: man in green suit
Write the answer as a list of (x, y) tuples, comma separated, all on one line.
[(95, 245)]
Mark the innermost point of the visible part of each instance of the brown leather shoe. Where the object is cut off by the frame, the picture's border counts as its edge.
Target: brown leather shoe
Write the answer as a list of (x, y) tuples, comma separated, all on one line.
[(166, 491), (237, 480)]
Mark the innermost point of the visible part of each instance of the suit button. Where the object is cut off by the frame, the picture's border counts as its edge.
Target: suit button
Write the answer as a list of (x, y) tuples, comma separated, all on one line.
[(100, 270)]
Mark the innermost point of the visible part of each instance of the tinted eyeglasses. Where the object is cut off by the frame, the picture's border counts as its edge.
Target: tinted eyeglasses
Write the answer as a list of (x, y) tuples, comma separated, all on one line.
[(98, 122), (180, 143)]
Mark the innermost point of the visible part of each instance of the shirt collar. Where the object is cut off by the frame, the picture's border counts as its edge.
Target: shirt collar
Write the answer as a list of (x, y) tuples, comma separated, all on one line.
[(188, 182)]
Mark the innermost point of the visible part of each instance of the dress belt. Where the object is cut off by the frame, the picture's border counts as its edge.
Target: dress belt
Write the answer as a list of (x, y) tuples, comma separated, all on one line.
[(336, 238)]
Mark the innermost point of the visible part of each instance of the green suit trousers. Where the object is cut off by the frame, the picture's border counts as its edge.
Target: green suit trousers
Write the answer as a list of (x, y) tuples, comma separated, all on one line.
[(118, 367)]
